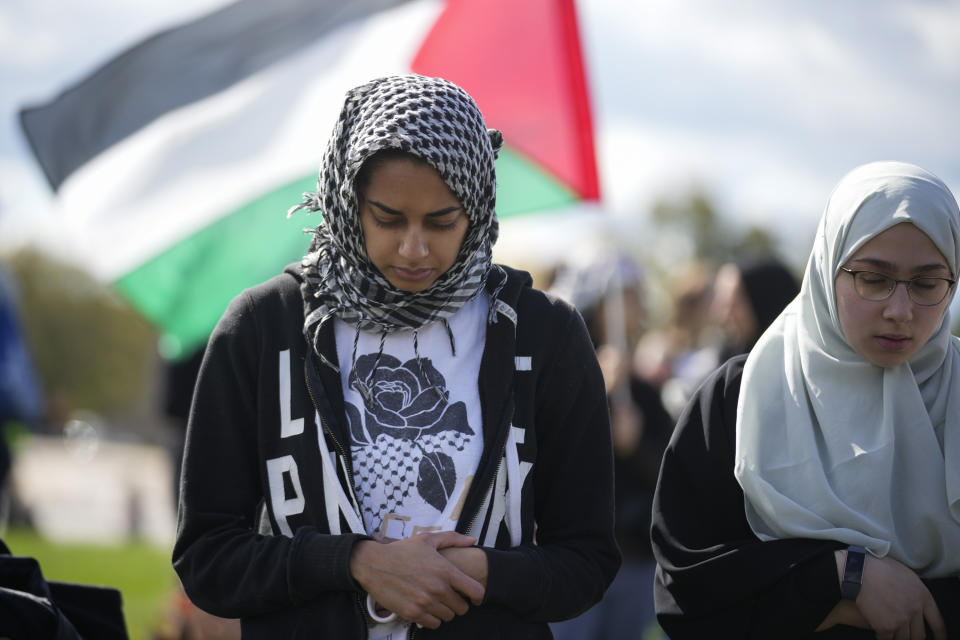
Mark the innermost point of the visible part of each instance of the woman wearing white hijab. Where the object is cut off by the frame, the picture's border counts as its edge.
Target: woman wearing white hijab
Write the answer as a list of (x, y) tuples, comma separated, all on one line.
[(812, 489)]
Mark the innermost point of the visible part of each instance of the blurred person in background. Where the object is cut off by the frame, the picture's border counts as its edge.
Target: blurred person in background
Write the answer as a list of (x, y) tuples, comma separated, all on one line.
[(396, 432), (21, 400), (811, 488), (735, 306), (748, 295), (608, 290), (670, 356)]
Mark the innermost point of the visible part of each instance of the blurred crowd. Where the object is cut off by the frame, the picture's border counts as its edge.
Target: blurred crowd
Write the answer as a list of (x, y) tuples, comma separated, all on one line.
[(650, 370)]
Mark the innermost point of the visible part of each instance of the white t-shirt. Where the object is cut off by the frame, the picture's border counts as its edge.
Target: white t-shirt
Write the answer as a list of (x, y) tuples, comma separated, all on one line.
[(417, 436)]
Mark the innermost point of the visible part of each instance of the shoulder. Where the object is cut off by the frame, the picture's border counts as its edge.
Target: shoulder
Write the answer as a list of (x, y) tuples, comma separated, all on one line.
[(267, 303), (710, 415), (554, 324), (721, 382), (283, 288), (533, 304), (725, 380)]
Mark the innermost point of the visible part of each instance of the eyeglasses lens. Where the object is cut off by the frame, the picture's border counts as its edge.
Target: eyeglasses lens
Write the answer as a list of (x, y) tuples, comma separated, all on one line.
[(923, 291)]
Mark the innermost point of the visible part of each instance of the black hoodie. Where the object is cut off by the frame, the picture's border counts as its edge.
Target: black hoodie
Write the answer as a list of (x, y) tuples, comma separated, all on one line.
[(263, 534)]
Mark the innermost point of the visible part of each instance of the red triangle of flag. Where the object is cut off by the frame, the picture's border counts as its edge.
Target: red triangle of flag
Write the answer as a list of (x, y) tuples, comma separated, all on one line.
[(521, 61)]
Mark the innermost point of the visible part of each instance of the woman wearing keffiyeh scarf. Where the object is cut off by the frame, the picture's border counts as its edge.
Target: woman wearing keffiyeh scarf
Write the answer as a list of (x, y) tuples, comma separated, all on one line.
[(439, 123), (463, 483), (431, 120), (438, 132)]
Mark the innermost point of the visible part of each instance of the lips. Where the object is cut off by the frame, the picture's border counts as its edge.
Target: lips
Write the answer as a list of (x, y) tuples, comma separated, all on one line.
[(893, 342), (412, 275)]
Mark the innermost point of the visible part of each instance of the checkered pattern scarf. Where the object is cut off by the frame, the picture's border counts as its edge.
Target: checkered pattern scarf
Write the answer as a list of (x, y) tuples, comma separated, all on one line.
[(438, 122)]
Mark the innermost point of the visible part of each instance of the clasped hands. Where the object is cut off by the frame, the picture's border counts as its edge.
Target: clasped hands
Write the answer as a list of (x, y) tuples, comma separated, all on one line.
[(426, 579), (893, 601)]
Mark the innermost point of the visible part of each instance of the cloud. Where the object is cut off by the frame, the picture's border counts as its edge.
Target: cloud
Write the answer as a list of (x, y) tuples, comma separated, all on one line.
[(935, 26), (765, 103), (775, 87)]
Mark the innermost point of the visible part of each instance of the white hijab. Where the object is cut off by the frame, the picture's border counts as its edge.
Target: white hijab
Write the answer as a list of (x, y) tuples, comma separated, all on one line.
[(830, 446)]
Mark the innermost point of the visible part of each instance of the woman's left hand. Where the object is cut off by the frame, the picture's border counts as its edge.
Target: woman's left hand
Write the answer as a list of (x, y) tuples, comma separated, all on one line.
[(896, 603), (471, 560)]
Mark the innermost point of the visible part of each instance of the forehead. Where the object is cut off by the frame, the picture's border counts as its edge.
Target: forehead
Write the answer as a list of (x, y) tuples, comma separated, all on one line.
[(902, 246), (394, 175)]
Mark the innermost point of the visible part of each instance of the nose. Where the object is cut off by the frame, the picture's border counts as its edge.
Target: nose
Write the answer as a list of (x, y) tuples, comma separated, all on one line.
[(413, 244), (899, 306)]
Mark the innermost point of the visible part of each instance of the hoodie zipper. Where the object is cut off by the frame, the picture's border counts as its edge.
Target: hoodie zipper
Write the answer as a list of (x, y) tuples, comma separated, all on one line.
[(340, 450), (328, 431), (412, 633), (489, 488)]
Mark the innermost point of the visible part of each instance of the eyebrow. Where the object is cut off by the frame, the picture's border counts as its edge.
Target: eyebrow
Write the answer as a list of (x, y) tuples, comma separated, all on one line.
[(432, 214), (889, 266)]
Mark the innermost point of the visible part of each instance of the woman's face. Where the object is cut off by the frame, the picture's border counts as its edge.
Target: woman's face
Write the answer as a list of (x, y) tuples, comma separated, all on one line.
[(889, 332), (731, 309), (413, 225)]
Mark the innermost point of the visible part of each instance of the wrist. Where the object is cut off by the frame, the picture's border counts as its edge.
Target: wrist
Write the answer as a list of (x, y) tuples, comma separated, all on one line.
[(359, 562)]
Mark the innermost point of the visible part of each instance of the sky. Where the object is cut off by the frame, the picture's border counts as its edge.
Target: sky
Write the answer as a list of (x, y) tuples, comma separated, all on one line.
[(762, 104)]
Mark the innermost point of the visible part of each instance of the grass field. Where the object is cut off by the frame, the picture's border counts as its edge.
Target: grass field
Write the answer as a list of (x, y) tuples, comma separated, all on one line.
[(141, 572)]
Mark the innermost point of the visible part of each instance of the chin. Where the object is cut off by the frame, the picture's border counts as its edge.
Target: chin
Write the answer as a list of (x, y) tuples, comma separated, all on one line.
[(412, 287), (887, 360)]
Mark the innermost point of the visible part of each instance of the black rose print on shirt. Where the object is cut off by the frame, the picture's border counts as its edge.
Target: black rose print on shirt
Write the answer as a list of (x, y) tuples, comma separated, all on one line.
[(407, 425)]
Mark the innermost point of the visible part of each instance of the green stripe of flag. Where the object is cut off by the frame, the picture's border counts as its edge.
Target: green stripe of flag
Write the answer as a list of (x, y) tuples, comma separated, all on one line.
[(523, 187), (186, 288)]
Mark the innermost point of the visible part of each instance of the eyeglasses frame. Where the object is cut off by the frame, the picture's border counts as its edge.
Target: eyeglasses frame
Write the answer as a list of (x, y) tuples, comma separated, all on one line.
[(906, 283)]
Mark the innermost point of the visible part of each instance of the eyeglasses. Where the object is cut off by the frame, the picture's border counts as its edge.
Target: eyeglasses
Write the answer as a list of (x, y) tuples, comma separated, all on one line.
[(924, 291)]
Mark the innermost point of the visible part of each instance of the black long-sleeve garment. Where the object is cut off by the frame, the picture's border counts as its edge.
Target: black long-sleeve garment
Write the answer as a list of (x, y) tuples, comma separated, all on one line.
[(299, 585), (715, 578)]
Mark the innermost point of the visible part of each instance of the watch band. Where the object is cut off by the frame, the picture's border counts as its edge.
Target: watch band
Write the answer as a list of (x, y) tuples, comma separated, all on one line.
[(852, 572)]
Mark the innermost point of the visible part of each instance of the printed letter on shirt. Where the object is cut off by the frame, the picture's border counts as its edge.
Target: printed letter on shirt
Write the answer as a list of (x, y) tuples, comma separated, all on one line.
[(288, 427), (282, 506)]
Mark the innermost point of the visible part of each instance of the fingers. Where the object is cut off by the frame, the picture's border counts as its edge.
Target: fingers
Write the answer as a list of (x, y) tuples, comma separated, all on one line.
[(445, 602), (895, 601), (471, 561), (467, 586), (931, 613), (916, 630), (445, 539), (412, 578), (432, 606), (428, 621)]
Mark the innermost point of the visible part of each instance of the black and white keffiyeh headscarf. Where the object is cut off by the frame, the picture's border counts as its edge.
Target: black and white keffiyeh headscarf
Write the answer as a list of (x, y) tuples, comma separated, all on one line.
[(440, 123)]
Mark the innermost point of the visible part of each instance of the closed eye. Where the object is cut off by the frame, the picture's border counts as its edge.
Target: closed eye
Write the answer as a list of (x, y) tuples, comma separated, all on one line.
[(925, 283), (387, 217), (869, 277), (445, 226), (387, 224)]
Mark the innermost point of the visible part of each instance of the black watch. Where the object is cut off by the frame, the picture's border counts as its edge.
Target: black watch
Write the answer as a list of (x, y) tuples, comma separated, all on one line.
[(852, 572)]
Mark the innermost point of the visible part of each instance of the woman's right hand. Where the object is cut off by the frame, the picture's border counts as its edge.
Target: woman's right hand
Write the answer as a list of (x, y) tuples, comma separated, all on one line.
[(412, 579), (895, 602)]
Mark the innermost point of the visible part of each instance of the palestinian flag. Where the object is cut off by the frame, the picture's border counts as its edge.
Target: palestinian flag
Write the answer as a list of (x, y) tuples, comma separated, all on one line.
[(175, 162)]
